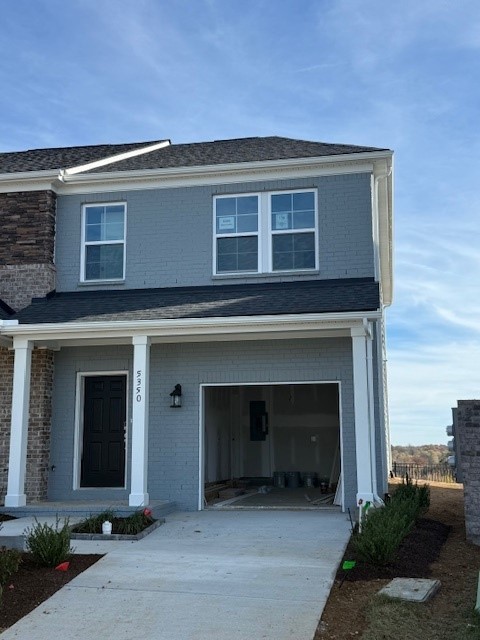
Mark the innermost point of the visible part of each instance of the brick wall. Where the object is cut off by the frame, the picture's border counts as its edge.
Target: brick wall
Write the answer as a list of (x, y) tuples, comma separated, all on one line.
[(40, 419), (20, 283), (38, 447), (169, 232), (6, 370), (467, 435), (27, 222)]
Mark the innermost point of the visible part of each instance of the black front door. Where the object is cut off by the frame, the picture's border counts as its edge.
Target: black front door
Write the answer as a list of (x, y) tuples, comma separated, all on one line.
[(103, 457)]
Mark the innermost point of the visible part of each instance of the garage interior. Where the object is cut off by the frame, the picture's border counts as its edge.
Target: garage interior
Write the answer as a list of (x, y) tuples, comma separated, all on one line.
[(272, 446)]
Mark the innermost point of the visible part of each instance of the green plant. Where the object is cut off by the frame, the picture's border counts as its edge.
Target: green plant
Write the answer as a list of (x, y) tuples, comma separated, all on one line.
[(135, 523), (93, 524), (383, 531), (9, 562), (49, 545), (131, 525)]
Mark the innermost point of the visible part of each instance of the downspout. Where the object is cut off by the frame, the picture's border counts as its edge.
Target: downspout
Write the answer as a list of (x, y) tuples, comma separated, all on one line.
[(371, 411)]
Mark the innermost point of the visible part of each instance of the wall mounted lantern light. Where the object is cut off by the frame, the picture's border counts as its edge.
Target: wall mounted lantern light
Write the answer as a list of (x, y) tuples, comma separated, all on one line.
[(176, 397)]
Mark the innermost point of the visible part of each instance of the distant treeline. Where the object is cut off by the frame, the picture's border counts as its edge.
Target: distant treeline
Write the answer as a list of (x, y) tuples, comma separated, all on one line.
[(426, 454)]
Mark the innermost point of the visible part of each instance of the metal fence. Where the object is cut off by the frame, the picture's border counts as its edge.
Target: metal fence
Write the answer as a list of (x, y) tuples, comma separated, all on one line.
[(433, 472)]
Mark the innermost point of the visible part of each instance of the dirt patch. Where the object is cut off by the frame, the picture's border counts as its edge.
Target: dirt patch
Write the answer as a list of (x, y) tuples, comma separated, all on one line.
[(427, 552), (31, 585)]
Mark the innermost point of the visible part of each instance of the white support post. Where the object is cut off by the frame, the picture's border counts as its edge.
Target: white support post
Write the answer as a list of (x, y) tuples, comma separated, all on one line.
[(141, 382), (361, 392), (19, 424)]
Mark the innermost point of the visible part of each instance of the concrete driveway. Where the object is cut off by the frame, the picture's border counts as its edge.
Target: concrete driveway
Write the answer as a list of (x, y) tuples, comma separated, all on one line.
[(209, 575)]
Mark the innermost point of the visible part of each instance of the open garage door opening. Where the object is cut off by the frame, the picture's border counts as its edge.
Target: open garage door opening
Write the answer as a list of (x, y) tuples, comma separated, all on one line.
[(272, 446)]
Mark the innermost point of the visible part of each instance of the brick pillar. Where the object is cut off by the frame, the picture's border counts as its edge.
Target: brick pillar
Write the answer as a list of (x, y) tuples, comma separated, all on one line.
[(39, 425), (467, 435), (6, 379)]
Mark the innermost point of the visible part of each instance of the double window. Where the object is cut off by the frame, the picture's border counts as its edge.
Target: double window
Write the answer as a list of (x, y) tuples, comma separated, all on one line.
[(103, 234), (265, 232)]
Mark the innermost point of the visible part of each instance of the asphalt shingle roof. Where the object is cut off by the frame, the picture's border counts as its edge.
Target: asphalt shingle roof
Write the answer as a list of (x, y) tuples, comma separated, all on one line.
[(62, 157), (313, 296), (176, 155), (233, 151), (6, 312)]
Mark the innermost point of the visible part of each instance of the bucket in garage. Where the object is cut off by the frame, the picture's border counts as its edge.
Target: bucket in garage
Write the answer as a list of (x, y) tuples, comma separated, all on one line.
[(279, 479), (309, 479), (293, 479)]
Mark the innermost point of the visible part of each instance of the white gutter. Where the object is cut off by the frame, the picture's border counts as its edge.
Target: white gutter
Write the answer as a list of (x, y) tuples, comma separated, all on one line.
[(234, 167), (189, 326), (386, 234)]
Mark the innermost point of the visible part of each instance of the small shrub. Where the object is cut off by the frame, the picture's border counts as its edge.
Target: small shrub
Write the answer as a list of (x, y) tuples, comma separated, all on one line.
[(93, 524), (9, 562), (383, 531), (49, 545), (135, 523), (131, 525), (418, 497)]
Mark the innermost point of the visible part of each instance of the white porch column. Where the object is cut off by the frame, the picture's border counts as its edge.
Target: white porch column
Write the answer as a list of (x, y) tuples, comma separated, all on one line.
[(141, 382), (19, 424), (363, 431)]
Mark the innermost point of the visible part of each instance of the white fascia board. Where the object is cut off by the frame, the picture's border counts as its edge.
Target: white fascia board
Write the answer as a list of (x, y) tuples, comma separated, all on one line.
[(220, 173), (81, 168), (28, 181), (192, 326)]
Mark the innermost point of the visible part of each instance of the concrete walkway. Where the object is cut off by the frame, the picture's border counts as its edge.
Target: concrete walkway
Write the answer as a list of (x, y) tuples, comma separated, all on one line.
[(207, 575)]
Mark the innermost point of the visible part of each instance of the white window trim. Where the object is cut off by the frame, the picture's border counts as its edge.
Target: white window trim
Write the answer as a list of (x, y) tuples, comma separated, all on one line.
[(264, 234), (236, 235), (85, 244)]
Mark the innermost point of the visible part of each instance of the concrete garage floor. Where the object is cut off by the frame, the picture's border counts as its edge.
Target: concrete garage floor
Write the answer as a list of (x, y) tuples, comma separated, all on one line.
[(277, 498), (210, 575)]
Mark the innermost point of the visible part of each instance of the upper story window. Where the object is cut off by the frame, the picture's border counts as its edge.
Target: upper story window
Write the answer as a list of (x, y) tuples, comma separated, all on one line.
[(103, 234), (266, 232)]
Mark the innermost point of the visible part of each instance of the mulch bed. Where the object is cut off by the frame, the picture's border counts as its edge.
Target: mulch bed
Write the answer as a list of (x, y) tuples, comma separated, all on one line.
[(435, 548), (419, 549), (4, 517), (31, 585)]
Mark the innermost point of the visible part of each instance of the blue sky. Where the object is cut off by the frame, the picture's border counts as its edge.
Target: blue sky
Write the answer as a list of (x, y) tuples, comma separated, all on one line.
[(399, 75)]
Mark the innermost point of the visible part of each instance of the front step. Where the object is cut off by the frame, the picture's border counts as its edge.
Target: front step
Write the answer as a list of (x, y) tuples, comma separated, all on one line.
[(85, 509)]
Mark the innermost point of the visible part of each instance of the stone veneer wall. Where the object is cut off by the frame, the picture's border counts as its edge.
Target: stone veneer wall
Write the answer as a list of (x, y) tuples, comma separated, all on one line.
[(27, 221), (467, 435), (27, 239)]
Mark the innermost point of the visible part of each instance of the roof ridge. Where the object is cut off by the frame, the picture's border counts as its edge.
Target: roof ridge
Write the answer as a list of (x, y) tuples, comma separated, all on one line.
[(86, 146)]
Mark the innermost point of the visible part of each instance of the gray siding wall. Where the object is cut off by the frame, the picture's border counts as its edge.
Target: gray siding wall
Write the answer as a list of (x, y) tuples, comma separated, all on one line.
[(174, 434), (170, 232), (68, 362)]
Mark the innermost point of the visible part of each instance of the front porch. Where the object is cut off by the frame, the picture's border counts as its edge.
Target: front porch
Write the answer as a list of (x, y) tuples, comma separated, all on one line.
[(163, 456)]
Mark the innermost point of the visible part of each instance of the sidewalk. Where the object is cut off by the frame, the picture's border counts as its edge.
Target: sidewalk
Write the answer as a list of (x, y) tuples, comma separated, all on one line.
[(202, 576)]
